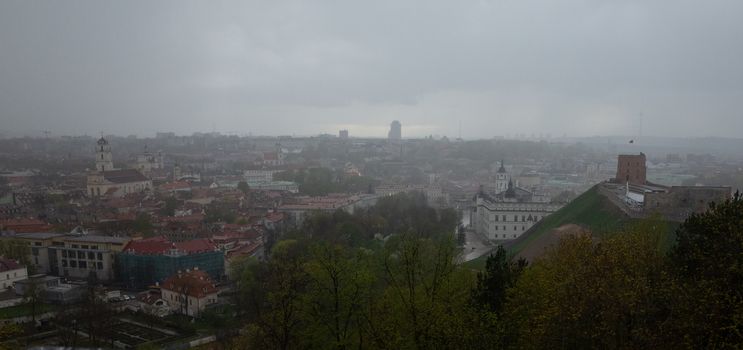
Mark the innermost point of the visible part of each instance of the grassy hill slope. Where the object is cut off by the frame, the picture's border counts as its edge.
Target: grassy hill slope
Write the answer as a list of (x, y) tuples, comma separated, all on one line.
[(590, 210)]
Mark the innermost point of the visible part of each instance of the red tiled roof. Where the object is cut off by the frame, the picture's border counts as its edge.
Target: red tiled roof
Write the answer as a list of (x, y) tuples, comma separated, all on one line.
[(196, 246), (177, 185), (198, 217), (275, 217), (194, 283), (7, 265), (124, 176), (24, 225), (154, 245), (244, 250), (161, 245), (120, 202)]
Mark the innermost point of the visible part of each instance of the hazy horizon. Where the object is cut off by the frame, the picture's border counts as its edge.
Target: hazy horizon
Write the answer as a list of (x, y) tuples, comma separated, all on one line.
[(575, 68)]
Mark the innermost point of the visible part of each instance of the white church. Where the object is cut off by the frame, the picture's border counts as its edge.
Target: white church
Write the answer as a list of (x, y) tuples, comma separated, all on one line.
[(503, 211), (109, 181)]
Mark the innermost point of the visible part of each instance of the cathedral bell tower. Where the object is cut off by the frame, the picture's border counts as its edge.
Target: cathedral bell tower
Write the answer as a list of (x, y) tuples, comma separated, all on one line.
[(103, 158), (502, 178)]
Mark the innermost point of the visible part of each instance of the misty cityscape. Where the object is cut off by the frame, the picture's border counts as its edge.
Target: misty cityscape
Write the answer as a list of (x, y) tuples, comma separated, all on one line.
[(382, 175)]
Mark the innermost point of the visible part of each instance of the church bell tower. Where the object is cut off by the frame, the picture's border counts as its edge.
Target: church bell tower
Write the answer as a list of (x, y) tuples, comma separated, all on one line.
[(103, 158)]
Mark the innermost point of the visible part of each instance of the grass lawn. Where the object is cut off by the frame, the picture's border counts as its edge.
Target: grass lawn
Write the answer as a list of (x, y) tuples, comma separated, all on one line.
[(478, 263), (25, 310)]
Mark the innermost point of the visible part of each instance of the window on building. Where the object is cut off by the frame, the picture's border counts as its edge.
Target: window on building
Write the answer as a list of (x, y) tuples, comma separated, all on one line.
[(73, 263), (515, 228), (523, 218), (504, 218), (64, 253), (91, 255), (94, 247), (64, 263), (80, 255), (84, 246), (100, 256), (75, 246), (35, 251), (83, 264), (100, 265)]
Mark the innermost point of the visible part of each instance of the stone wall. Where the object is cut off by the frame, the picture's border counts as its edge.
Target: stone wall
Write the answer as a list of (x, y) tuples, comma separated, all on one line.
[(681, 201)]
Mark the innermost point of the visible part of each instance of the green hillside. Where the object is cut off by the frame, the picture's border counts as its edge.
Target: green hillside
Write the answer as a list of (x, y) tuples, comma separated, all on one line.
[(590, 210)]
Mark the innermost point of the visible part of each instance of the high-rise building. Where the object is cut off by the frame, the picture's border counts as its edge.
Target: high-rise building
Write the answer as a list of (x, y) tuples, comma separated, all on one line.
[(343, 134), (395, 131)]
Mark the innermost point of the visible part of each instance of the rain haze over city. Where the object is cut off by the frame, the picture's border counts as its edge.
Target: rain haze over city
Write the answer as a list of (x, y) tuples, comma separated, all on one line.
[(371, 175)]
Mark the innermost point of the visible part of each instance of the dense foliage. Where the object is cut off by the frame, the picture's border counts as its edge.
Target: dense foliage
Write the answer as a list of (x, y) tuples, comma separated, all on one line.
[(622, 291), (402, 213), (321, 181)]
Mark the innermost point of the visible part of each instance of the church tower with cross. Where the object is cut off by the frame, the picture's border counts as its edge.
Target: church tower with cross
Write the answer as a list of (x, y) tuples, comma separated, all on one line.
[(103, 158)]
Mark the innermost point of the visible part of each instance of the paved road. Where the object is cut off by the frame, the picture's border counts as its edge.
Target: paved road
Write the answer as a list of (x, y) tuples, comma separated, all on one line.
[(475, 246)]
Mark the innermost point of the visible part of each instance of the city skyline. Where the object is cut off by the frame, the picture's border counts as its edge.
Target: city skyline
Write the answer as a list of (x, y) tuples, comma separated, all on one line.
[(573, 67)]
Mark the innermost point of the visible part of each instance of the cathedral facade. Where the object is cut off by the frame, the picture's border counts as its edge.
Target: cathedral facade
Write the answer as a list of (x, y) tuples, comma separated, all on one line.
[(109, 181), (505, 211)]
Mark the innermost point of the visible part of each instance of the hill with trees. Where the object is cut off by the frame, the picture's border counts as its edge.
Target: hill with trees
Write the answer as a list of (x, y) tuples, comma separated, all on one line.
[(625, 290)]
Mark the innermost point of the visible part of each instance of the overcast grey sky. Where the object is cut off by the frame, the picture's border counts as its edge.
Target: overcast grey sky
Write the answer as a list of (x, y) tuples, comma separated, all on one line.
[(576, 67)]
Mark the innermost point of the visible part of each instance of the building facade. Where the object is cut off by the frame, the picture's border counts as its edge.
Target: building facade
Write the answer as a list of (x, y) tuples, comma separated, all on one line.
[(631, 169), (107, 180), (103, 157), (189, 292), (83, 257), (502, 178), (73, 256), (507, 211), (10, 272), (148, 261), (395, 131), (506, 220)]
